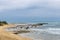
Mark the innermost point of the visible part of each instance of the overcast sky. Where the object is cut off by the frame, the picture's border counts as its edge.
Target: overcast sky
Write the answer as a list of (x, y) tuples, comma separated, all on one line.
[(21, 9)]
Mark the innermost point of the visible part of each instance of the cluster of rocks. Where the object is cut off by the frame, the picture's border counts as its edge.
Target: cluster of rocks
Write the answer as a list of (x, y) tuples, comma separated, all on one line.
[(20, 27)]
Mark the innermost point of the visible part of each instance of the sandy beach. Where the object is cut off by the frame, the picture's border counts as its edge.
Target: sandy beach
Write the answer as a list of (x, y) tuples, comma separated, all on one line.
[(4, 35)]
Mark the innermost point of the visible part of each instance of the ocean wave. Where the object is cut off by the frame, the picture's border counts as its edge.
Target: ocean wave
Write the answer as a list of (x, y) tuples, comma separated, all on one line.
[(49, 30), (53, 30)]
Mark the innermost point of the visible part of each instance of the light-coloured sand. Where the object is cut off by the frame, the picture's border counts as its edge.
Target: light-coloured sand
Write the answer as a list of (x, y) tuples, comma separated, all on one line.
[(4, 35)]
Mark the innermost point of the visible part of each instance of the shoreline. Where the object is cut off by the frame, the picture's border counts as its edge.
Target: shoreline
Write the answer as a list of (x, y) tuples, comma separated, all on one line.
[(4, 35), (23, 31)]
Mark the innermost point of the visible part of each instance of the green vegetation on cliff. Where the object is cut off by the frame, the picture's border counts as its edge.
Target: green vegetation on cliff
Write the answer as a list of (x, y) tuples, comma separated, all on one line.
[(3, 23)]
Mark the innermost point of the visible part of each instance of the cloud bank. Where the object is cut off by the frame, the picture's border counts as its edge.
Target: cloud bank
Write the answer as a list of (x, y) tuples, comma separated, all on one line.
[(14, 4)]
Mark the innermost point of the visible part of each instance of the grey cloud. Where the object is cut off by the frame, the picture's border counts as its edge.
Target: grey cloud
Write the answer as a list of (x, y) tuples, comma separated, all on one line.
[(14, 4)]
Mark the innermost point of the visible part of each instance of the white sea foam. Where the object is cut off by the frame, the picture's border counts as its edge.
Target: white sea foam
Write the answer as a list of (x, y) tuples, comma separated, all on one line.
[(49, 30), (53, 30)]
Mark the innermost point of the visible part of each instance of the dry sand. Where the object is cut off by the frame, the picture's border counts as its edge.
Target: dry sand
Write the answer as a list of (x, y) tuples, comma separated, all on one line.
[(4, 35)]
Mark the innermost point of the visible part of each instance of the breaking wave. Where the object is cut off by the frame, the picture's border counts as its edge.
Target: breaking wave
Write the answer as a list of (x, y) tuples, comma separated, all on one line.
[(49, 30)]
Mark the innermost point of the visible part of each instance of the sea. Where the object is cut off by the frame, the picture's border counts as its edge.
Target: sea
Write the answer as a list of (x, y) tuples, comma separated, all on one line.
[(50, 31)]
